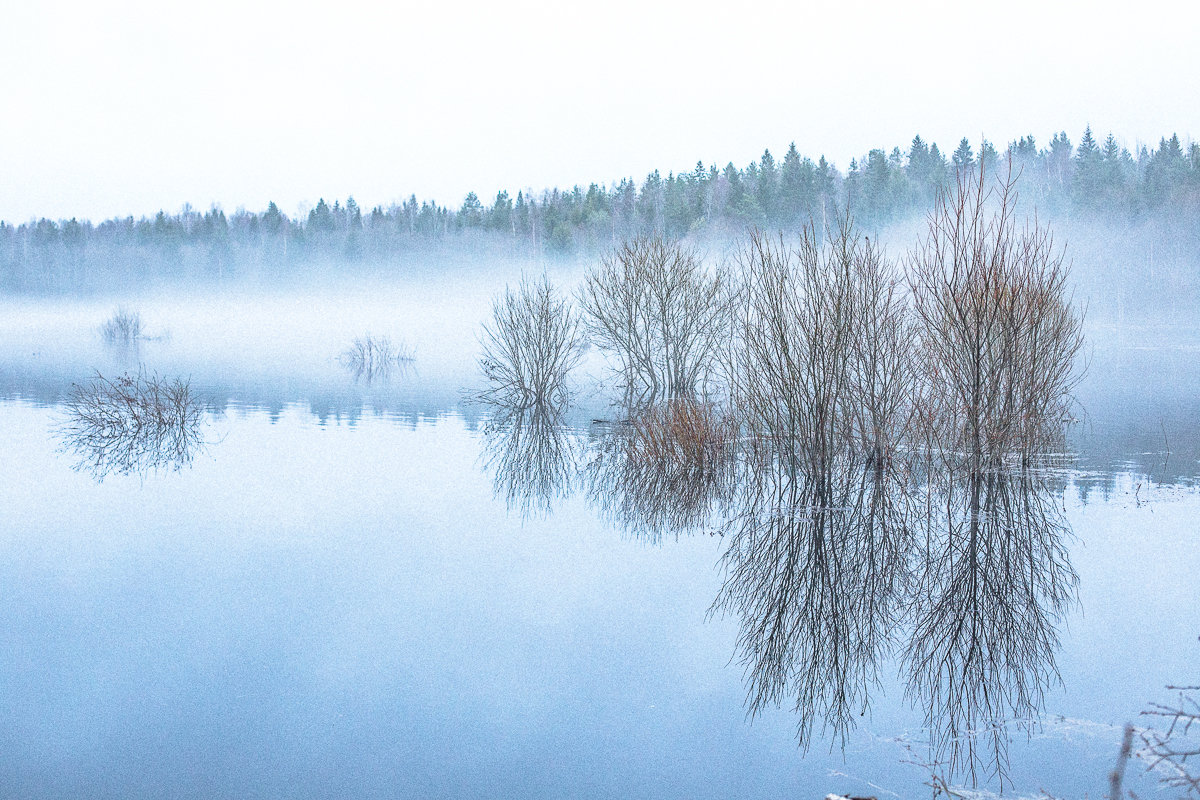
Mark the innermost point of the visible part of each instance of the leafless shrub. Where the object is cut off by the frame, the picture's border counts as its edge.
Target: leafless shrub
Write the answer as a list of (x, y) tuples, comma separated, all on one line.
[(819, 360), (132, 424), (533, 457), (883, 390), (530, 347), (998, 335), (654, 307), (1171, 752), (372, 357), (665, 469), (790, 367), (683, 431), (123, 327)]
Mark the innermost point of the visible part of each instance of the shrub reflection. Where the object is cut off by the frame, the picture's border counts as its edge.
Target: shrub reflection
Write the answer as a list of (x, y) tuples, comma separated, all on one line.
[(135, 423)]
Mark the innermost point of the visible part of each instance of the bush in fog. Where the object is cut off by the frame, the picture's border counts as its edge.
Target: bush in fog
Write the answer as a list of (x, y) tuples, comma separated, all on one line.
[(133, 423), (374, 356), (655, 309), (530, 347), (123, 327), (819, 360), (998, 335)]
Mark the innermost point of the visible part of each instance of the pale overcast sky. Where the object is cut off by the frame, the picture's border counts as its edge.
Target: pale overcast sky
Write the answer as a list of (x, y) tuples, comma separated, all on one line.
[(115, 108)]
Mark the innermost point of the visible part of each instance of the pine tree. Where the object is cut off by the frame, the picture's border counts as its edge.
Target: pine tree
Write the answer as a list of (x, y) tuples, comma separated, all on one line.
[(320, 219), (471, 213), (988, 157), (919, 170), (791, 189), (650, 203), (1059, 160), (1086, 177), (1113, 175), (964, 157), (768, 187), (500, 218)]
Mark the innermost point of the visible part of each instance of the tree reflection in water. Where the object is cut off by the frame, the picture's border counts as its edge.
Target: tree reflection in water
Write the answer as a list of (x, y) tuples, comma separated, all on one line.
[(880, 472), (664, 470), (816, 569), (532, 455), (959, 577), (994, 583)]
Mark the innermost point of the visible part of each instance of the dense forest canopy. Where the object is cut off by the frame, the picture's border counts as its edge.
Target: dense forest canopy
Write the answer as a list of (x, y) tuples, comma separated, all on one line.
[(1093, 179)]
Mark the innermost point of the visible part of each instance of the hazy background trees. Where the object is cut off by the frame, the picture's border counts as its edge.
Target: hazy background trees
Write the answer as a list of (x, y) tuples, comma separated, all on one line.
[(1146, 202)]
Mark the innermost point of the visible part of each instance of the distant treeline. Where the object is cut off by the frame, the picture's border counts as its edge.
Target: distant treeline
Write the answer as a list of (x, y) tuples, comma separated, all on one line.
[(1101, 179)]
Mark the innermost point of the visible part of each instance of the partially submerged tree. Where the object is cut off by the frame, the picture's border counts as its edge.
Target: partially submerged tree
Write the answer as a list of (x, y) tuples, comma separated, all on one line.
[(818, 362), (530, 347), (371, 357), (999, 337), (656, 309), (124, 327)]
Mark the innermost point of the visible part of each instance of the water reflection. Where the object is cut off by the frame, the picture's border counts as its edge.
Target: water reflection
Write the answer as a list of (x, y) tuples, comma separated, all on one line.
[(840, 567), (664, 470), (816, 567), (532, 455), (374, 358), (994, 582), (132, 424)]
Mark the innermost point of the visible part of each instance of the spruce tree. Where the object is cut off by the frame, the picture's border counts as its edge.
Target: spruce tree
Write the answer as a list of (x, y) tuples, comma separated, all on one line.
[(963, 157)]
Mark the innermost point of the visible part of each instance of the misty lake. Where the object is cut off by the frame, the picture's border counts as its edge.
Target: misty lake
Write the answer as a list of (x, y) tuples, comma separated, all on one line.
[(363, 588)]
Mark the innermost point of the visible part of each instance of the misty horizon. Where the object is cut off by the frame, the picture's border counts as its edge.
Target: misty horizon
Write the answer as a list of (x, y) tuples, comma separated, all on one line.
[(1139, 151)]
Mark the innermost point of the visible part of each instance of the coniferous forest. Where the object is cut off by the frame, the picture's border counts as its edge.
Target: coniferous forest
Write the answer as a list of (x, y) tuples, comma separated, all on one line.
[(1091, 180)]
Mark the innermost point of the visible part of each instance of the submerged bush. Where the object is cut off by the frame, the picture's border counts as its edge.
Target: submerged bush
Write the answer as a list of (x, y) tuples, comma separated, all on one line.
[(133, 423), (375, 356), (683, 433), (530, 347), (665, 469), (818, 363), (655, 308), (123, 327), (999, 337)]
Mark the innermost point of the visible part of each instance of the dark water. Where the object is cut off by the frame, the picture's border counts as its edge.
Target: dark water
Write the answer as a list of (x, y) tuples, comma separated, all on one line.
[(345, 594)]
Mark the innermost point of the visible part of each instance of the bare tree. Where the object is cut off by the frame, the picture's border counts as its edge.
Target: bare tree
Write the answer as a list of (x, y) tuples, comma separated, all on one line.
[(883, 390), (819, 360), (1170, 751), (530, 347), (656, 309), (998, 334)]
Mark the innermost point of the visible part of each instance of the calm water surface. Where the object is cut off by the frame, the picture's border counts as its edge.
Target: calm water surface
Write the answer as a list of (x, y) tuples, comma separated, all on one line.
[(339, 597)]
